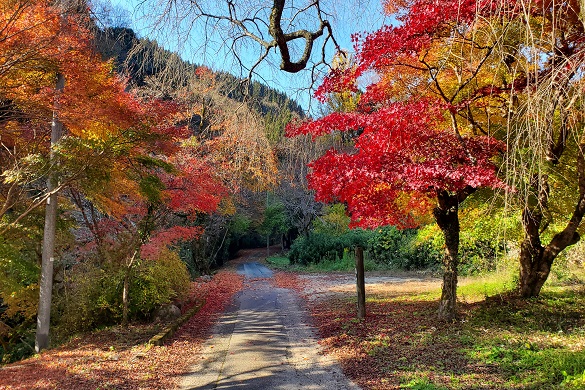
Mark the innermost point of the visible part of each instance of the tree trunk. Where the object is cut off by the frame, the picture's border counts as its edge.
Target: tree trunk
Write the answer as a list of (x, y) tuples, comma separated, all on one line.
[(125, 305), (126, 289), (533, 269), (535, 259), (447, 217), (46, 285)]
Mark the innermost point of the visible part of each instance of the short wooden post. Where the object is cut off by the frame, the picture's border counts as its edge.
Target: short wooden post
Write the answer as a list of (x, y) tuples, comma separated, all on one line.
[(360, 282)]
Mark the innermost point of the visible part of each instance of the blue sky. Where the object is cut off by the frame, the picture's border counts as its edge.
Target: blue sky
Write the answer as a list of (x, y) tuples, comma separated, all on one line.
[(348, 16)]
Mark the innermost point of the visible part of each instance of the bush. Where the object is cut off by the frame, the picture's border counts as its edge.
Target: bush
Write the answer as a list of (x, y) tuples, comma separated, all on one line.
[(319, 247), (479, 250), (19, 294), (315, 248), (401, 249), (158, 282), (479, 255), (334, 221), (88, 299), (92, 296), (19, 345), (391, 248)]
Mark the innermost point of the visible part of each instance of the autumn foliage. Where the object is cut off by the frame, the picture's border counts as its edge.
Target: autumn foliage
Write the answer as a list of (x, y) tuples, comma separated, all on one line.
[(403, 157), (131, 179), (421, 144)]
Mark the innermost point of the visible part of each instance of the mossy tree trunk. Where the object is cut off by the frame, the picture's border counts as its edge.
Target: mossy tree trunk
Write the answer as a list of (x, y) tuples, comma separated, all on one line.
[(536, 260)]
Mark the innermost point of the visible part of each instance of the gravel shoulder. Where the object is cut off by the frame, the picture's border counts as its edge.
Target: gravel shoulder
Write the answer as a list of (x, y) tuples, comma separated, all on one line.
[(317, 287)]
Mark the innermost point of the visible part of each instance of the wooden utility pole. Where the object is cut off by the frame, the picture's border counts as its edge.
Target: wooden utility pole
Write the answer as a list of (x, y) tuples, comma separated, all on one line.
[(46, 287), (360, 282)]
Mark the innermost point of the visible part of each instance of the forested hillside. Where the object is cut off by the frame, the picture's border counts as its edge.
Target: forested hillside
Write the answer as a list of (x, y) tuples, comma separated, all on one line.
[(160, 172), (141, 59)]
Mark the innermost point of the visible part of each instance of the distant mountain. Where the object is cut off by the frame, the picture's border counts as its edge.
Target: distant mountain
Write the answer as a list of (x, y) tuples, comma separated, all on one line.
[(140, 58)]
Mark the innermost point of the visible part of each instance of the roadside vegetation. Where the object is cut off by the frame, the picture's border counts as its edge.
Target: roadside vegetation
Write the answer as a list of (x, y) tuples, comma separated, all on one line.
[(500, 341), (120, 357)]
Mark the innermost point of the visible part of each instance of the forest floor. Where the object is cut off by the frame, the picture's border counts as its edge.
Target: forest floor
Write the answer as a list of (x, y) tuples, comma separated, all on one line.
[(499, 342)]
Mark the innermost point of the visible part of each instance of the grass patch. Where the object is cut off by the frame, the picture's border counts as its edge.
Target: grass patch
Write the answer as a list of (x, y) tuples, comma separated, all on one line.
[(501, 342), (537, 343), (279, 262), (421, 384), (345, 264), (478, 288)]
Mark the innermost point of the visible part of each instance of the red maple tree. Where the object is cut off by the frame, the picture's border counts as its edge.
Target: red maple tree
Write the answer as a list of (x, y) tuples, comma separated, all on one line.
[(404, 164), (412, 156)]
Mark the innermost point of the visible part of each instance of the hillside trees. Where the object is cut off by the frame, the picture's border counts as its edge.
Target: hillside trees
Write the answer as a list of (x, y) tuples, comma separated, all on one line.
[(227, 131), (137, 177)]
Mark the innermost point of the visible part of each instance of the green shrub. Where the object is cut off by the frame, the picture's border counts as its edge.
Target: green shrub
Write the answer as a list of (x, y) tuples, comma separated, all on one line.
[(19, 294), (319, 247), (158, 282), (20, 344), (401, 249), (479, 255), (392, 248), (334, 221), (315, 248), (479, 250), (92, 296)]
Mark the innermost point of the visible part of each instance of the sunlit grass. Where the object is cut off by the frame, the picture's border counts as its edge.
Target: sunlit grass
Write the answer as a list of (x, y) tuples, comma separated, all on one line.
[(500, 341), (279, 262), (478, 288), (345, 264)]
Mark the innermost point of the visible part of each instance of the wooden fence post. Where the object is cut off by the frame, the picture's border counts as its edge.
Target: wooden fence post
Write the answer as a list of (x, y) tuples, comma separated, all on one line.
[(360, 282)]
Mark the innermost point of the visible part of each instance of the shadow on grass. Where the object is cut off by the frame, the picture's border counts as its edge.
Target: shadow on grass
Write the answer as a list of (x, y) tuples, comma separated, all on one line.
[(501, 343), (553, 311)]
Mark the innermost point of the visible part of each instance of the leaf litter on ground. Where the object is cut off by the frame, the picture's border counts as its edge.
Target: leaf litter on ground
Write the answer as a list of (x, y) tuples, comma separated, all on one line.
[(120, 358)]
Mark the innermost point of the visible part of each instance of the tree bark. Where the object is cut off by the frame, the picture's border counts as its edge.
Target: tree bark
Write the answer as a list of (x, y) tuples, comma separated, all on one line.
[(126, 289), (447, 216), (46, 285), (536, 260), (533, 268)]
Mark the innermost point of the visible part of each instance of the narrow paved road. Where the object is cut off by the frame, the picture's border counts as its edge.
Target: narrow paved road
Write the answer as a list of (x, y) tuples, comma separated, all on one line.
[(265, 342)]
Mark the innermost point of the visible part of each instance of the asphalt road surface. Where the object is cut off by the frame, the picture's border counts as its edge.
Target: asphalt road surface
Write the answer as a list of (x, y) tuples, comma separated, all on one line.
[(254, 269), (264, 341)]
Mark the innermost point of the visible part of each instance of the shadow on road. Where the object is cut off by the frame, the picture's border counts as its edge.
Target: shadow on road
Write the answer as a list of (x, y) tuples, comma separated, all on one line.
[(264, 342)]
